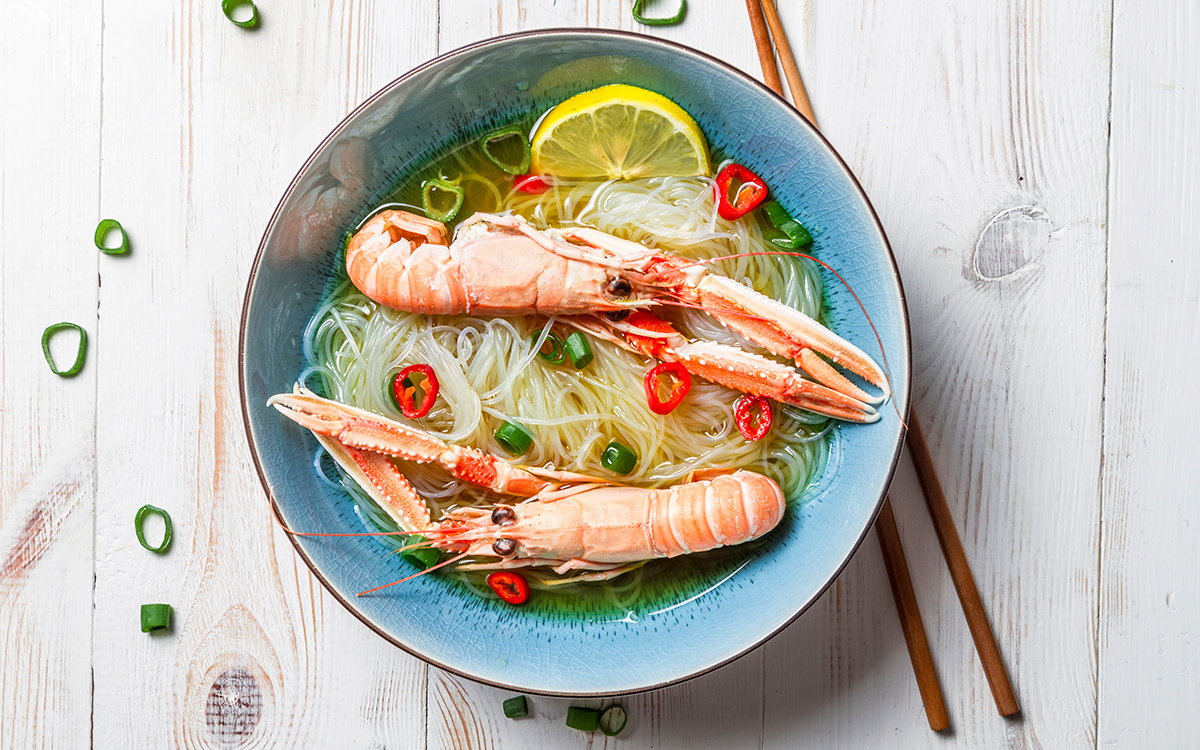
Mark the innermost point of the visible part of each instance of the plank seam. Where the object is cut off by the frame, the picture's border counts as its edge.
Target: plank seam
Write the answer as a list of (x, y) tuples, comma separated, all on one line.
[(1108, 195), (96, 395)]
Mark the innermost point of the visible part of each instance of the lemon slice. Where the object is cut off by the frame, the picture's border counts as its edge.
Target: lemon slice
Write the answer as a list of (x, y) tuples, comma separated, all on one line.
[(618, 131)]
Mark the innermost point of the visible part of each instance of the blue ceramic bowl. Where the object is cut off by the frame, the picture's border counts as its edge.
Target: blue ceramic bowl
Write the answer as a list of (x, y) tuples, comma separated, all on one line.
[(544, 650)]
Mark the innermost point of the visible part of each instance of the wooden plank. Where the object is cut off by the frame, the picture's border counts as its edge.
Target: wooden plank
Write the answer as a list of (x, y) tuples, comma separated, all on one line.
[(1150, 597), (50, 89), (980, 133), (204, 126)]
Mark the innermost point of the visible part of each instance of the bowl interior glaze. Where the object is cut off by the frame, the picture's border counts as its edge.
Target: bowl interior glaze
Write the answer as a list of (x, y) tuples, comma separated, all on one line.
[(414, 119)]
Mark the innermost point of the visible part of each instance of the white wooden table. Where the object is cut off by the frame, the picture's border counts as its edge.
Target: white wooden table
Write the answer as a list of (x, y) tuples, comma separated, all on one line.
[(1036, 165)]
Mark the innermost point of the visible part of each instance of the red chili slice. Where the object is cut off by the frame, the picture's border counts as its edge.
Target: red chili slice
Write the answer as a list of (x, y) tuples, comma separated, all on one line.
[(683, 384), (405, 389), (530, 183), (753, 415), (750, 192), (510, 587)]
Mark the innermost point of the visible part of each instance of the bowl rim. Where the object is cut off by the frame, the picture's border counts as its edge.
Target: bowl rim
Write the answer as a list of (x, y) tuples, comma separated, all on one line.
[(640, 38)]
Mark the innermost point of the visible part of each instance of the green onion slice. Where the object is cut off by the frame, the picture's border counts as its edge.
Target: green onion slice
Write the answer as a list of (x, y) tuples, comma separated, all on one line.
[(80, 355), (619, 458), (156, 617), (610, 727), (514, 438), (671, 21), (516, 707), (140, 518), (102, 230), (582, 718), (784, 231), (579, 350), (436, 204), (422, 557), (552, 348), (501, 148), (232, 7)]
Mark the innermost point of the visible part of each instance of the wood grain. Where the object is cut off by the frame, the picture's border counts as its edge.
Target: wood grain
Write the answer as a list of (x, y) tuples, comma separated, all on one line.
[(49, 133), (204, 126), (1150, 597), (983, 108)]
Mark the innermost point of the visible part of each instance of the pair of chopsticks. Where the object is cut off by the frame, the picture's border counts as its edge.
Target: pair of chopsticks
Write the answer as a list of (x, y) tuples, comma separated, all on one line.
[(931, 487)]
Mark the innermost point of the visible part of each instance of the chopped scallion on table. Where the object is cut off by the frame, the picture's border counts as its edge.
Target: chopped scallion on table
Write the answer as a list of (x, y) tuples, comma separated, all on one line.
[(140, 519), (582, 718), (102, 230), (516, 707), (579, 350), (640, 5), (514, 438), (80, 355), (236, 12), (613, 720), (156, 617)]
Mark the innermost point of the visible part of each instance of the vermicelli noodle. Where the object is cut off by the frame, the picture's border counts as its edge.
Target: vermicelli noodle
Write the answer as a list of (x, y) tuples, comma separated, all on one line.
[(490, 372)]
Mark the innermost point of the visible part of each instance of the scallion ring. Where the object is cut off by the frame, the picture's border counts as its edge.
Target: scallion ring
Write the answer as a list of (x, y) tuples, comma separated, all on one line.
[(618, 458), (102, 230), (669, 21), (514, 438), (429, 199), (556, 355), (607, 727), (232, 8), (579, 350), (422, 557), (516, 707), (140, 518), (156, 617), (501, 140), (784, 231), (80, 355), (582, 718)]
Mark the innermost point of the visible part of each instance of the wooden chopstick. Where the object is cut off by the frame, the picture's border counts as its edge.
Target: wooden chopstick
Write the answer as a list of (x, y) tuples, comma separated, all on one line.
[(931, 486), (960, 570), (910, 617), (762, 40), (799, 95), (885, 525)]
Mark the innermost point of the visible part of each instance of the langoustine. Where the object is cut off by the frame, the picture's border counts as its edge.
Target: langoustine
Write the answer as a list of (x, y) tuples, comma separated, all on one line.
[(571, 522), (502, 266)]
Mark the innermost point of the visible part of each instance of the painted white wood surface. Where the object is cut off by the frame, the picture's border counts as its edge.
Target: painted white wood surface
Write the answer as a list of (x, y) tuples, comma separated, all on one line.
[(982, 135), (49, 195), (1150, 554)]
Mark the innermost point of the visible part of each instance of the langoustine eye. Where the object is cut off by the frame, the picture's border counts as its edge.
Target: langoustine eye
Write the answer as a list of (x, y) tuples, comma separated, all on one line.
[(618, 289), (504, 547), (504, 516)]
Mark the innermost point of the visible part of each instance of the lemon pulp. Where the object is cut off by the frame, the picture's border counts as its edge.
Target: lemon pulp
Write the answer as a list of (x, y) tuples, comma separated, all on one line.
[(618, 131)]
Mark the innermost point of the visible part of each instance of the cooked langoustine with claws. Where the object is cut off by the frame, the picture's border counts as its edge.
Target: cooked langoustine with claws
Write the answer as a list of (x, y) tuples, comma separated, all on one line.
[(571, 522), (502, 266)]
